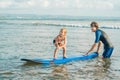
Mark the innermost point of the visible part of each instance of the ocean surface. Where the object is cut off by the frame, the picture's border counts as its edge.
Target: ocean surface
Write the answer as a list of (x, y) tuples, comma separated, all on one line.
[(31, 36)]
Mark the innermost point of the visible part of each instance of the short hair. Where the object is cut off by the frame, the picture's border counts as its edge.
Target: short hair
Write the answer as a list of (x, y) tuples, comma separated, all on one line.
[(95, 24)]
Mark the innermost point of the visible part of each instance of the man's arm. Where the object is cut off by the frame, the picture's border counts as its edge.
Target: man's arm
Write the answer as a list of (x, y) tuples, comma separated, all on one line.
[(99, 45), (97, 40), (92, 48)]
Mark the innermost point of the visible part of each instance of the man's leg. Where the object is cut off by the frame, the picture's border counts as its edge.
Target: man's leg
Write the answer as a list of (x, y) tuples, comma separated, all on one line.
[(107, 52)]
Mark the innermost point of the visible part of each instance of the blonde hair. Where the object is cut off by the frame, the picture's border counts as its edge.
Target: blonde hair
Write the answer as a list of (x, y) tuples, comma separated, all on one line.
[(64, 30)]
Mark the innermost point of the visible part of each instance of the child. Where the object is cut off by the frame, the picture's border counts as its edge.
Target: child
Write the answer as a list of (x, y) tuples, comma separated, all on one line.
[(60, 42)]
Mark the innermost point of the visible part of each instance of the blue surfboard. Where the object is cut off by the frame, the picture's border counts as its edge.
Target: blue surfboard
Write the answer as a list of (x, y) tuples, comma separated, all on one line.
[(62, 60)]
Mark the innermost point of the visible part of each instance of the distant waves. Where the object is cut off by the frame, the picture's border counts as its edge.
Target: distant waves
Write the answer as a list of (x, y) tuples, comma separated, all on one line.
[(27, 23)]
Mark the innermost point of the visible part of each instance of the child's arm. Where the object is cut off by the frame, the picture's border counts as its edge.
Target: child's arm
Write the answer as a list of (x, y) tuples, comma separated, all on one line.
[(56, 40), (65, 41)]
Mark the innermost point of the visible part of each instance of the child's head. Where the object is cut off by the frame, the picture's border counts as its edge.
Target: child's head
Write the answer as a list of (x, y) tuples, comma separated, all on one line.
[(63, 31), (94, 26)]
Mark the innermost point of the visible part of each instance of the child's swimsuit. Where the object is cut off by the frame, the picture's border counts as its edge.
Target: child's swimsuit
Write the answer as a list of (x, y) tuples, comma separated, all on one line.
[(55, 41)]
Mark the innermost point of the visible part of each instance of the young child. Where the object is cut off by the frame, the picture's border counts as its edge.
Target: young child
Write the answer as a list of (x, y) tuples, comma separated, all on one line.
[(60, 42)]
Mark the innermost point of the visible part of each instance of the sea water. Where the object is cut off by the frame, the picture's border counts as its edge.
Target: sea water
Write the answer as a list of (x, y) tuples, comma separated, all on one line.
[(32, 37)]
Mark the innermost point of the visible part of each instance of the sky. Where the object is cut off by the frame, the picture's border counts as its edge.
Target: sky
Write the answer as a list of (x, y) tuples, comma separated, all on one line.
[(61, 7)]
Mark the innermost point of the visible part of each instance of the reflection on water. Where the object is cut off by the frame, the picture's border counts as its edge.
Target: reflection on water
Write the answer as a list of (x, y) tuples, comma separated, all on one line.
[(96, 69), (59, 73), (106, 64), (102, 69)]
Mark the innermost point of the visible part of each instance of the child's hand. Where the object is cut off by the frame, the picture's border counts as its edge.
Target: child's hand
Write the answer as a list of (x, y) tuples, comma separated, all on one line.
[(62, 45)]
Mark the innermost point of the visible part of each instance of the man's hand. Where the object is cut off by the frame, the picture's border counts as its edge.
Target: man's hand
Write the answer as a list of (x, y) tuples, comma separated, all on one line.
[(92, 48), (87, 53)]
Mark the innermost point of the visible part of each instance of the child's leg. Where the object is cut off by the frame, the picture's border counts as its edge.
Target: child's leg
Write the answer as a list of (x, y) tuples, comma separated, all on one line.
[(55, 52), (64, 52)]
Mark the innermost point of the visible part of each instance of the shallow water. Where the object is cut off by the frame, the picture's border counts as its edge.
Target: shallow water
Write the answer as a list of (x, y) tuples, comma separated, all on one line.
[(35, 41)]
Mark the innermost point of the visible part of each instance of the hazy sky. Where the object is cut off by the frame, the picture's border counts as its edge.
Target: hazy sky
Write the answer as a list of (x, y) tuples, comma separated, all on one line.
[(62, 7)]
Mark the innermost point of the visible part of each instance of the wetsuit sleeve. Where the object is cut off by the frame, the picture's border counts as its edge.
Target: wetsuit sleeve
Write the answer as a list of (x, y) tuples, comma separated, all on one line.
[(97, 35)]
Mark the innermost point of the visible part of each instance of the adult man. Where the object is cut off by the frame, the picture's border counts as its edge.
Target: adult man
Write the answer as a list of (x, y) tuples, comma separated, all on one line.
[(101, 37)]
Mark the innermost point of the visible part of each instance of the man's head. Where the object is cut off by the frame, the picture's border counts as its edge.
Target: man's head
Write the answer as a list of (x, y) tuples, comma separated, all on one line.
[(94, 26)]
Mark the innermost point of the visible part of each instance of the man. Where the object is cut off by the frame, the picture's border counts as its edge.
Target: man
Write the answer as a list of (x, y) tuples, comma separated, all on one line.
[(101, 37)]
